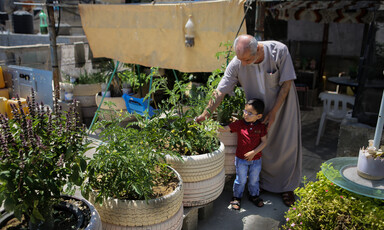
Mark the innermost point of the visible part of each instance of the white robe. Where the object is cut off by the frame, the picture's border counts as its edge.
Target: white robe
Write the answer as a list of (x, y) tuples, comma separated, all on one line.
[(282, 157)]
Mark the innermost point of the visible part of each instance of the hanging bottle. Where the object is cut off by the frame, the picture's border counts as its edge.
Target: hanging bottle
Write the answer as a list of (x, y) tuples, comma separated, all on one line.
[(43, 22), (189, 33)]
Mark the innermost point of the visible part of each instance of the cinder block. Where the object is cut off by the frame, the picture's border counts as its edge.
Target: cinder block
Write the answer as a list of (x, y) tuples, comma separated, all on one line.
[(206, 211), (353, 136), (190, 220)]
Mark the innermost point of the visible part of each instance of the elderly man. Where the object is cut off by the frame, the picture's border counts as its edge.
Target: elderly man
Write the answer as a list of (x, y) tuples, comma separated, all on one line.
[(265, 71)]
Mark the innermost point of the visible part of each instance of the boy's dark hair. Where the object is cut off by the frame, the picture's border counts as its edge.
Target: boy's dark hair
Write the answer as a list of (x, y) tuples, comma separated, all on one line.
[(257, 104)]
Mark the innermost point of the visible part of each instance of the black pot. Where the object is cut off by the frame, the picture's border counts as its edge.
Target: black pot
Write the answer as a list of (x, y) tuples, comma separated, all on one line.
[(80, 221)]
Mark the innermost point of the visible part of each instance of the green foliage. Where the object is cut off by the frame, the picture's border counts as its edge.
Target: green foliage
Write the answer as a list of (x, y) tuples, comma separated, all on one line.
[(91, 78), (42, 157), (324, 205), (176, 128), (127, 164)]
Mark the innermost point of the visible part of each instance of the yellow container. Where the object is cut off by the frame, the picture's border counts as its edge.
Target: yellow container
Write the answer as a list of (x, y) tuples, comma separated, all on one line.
[(2, 82), (3, 105), (15, 102), (4, 93)]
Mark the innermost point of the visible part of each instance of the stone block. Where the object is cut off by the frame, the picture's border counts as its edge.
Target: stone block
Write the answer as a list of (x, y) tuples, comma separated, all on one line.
[(190, 220), (206, 211)]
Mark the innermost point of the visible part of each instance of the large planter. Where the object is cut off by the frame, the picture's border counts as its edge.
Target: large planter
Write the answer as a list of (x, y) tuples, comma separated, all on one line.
[(162, 213), (230, 142), (119, 106), (87, 216), (228, 138), (203, 176)]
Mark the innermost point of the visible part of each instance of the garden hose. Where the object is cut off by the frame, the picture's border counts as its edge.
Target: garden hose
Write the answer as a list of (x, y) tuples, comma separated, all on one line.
[(102, 99)]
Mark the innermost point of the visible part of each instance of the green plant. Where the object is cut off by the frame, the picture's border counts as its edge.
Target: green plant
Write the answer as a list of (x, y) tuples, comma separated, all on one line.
[(91, 78), (42, 156), (324, 205), (232, 105), (177, 129), (128, 164)]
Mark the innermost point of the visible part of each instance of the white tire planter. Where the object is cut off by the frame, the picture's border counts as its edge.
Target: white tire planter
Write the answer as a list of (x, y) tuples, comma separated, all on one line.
[(228, 138), (203, 192), (86, 89), (141, 214), (199, 167), (174, 223), (229, 163)]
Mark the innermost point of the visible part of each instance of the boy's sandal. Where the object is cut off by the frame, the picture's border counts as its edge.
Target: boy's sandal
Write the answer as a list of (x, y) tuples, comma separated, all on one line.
[(257, 201), (288, 198), (235, 204)]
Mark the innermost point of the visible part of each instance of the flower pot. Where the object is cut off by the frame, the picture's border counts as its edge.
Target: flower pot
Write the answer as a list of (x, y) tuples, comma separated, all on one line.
[(203, 176), (228, 138), (229, 162), (370, 168), (162, 213), (119, 106), (86, 216)]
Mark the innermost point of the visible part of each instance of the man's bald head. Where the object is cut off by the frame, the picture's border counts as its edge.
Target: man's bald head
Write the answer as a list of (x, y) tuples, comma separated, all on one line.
[(244, 43)]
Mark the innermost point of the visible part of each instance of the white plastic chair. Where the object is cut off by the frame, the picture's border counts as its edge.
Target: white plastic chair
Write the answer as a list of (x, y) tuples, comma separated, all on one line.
[(334, 109)]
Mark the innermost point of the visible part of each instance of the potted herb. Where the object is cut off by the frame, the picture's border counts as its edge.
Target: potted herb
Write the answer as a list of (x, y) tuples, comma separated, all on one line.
[(202, 157), (42, 158), (324, 205), (128, 180)]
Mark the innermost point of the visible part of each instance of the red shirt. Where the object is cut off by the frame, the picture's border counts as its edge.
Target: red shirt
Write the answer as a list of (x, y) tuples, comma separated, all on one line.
[(248, 136)]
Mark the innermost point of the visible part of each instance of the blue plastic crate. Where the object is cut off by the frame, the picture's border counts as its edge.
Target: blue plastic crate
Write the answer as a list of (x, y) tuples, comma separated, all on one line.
[(137, 105)]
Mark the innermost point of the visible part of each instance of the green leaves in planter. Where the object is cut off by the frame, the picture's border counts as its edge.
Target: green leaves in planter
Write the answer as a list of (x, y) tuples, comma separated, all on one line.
[(324, 205), (127, 164)]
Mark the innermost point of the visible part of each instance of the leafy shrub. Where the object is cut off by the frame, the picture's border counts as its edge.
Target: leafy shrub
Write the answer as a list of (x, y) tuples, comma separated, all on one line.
[(324, 205), (127, 165), (176, 128)]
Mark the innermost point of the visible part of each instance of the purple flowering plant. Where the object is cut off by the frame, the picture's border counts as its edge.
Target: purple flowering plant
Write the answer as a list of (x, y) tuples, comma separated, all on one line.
[(41, 157)]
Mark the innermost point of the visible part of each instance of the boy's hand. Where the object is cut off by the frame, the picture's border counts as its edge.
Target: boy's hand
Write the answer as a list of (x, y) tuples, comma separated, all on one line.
[(249, 155)]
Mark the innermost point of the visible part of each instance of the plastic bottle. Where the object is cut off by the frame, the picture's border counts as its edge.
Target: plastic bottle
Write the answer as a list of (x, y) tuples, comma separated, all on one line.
[(189, 33), (43, 23)]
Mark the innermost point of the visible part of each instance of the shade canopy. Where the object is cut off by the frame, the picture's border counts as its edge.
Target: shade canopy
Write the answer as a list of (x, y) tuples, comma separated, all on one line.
[(154, 34)]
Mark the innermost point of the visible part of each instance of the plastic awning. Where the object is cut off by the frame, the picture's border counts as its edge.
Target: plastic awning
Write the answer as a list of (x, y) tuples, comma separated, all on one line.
[(326, 11)]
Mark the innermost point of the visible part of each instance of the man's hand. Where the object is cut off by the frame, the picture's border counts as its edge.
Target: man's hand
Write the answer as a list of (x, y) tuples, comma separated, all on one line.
[(200, 118), (269, 119)]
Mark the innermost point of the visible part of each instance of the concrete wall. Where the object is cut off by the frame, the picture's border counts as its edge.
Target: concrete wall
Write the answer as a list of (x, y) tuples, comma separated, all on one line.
[(344, 38)]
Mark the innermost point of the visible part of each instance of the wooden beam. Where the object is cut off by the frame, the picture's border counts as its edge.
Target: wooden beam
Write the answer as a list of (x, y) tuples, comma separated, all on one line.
[(52, 39)]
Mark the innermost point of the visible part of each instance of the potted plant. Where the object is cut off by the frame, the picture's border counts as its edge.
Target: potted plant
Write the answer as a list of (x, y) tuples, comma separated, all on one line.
[(125, 75), (324, 205), (202, 159), (128, 180), (42, 158)]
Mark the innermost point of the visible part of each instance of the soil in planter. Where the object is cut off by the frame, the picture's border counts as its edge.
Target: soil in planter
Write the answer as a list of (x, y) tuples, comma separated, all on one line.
[(64, 220)]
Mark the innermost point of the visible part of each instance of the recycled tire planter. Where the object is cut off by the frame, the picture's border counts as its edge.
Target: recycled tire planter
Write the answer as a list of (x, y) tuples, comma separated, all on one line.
[(203, 176), (228, 138), (162, 213), (198, 167), (203, 192), (229, 162), (93, 223)]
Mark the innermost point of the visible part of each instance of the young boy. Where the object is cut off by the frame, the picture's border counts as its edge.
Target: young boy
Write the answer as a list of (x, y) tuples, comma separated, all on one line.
[(251, 139)]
